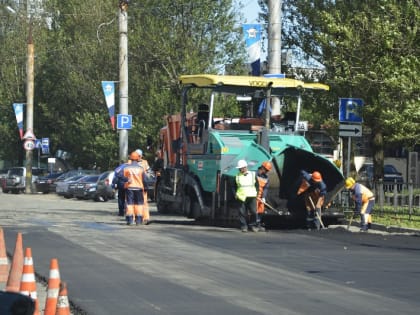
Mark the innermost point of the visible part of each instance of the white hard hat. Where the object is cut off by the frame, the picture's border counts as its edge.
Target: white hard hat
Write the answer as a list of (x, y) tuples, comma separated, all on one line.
[(241, 164), (139, 152)]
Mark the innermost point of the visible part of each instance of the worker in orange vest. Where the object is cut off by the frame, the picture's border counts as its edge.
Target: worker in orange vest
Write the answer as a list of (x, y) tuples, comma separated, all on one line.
[(314, 191), (146, 168), (135, 178), (263, 184)]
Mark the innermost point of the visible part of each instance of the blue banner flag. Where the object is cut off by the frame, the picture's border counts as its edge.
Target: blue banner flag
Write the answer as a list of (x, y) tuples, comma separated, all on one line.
[(18, 108), (109, 91), (252, 36)]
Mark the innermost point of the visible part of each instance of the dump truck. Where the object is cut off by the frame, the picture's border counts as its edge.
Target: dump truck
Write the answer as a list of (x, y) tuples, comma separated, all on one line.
[(224, 119)]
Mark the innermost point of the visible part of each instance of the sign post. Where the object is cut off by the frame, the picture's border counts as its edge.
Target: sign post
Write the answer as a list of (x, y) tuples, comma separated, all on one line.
[(350, 118)]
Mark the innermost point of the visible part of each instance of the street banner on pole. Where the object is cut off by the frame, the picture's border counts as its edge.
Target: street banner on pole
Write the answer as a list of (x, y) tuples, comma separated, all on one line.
[(252, 36), (18, 108), (109, 90)]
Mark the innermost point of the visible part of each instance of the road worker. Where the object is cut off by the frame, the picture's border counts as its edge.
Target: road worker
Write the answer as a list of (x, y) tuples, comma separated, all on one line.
[(246, 194), (364, 200), (314, 191), (263, 184), (146, 168), (135, 178), (118, 183)]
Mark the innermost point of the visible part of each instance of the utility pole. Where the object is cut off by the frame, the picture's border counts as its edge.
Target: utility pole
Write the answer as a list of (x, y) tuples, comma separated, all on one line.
[(123, 61), (29, 106), (274, 36)]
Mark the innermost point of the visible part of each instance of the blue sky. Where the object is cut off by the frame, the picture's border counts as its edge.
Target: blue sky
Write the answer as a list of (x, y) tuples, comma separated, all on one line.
[(250, 10)]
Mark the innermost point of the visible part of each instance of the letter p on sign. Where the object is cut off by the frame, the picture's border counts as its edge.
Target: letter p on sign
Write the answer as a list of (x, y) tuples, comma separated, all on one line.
[(124, 121)]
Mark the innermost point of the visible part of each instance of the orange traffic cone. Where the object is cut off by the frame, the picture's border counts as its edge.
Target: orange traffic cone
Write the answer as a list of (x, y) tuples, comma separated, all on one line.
[(4, 263), (63, 305), (53, 288), (15, 274), (28, 284)]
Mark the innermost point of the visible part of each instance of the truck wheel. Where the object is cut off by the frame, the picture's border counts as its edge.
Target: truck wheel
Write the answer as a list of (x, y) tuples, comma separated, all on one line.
[(195, 212)]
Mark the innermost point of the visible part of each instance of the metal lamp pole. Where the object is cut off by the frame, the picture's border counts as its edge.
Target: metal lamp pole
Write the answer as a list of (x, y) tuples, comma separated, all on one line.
[(29, 107), (123, 62)]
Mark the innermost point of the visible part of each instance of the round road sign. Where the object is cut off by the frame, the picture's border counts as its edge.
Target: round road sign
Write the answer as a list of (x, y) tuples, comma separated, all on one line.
[(29, 145)]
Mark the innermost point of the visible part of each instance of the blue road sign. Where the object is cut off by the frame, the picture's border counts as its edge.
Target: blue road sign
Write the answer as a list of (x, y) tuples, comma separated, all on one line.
[(124, 121), (351, 110), (45, 145)]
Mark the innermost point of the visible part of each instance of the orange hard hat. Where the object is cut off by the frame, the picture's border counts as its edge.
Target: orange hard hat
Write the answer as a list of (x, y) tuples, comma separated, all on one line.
[(134, 156), (316, 176), (267, 165)]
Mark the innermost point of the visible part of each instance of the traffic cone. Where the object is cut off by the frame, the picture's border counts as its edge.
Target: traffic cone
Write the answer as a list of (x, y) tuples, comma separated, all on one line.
[(63, 305), (28, 284), (15, 274), (53, 288), (4, 263)]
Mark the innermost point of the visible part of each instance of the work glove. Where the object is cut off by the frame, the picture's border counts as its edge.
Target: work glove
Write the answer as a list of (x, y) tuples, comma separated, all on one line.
[(263, 200)]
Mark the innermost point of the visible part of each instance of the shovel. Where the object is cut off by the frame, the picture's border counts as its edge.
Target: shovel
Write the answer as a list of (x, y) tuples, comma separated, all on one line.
[(317, 214), (271, 207)]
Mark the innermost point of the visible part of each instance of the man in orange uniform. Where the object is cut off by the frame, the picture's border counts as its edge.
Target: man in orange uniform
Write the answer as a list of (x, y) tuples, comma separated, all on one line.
[(314, 190), (263, 184), (146, 169), (135, 176)]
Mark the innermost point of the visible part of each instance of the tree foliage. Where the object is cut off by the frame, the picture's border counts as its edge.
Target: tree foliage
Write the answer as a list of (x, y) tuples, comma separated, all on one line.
[(79, 48), (370, 50)]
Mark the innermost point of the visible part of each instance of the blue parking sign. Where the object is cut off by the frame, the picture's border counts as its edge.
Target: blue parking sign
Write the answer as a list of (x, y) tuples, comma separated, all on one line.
[(124, 121), (351, 110)]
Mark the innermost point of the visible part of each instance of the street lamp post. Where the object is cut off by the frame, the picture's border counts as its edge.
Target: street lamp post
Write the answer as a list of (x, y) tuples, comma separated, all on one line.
[(29, 107), (123, 90)]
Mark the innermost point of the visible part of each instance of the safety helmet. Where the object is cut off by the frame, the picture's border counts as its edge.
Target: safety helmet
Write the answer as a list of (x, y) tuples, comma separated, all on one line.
[(350, 182), (134, 156), (267, 165), (139, 152), (241, 164), (316, 176)]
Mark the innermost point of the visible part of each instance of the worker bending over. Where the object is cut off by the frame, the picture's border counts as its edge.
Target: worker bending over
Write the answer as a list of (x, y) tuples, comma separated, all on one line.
[(364, 200), (314, 190)]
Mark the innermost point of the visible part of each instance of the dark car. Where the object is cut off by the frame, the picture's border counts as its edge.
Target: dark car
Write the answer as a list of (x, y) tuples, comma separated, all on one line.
[(391, 176), (69, 174), (63, 186), (85, 188), (44, 183), (104, 190)]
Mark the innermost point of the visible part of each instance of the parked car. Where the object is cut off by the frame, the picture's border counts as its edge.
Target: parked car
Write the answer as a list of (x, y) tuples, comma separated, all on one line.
[(44, 183), (16, 179), (104, 190), (69, 174), (85, 188), (63, 186), (391, 176)]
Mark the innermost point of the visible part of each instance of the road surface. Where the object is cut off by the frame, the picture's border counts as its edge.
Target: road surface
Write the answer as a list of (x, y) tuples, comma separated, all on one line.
[(174, 266)]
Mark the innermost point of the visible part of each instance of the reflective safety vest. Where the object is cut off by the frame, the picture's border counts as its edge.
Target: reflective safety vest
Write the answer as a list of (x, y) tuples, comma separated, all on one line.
[(245, 184)]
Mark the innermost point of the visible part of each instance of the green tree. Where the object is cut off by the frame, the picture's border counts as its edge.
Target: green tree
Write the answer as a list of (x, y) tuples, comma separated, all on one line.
[(370, 50), (80, 49)]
